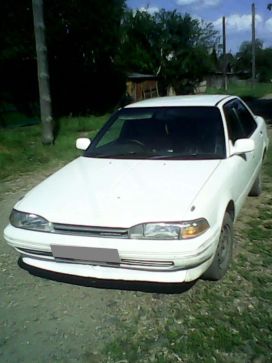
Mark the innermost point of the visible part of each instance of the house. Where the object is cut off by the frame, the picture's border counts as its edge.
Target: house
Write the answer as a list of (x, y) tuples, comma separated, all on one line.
[(141, 86)]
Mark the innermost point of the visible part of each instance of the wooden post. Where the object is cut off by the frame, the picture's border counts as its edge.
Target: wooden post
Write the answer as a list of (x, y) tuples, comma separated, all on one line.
[(43, 76), (224, 54), (253, 44)]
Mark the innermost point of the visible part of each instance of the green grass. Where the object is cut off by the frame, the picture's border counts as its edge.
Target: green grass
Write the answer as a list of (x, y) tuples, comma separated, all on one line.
[(257, 90), (21, 149), (268, 161)]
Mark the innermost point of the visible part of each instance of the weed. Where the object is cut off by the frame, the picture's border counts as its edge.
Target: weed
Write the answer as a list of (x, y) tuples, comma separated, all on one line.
[(21, 149)]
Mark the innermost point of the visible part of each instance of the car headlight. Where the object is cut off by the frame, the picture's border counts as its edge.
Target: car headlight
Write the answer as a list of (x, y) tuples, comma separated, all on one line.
[(29, 221), (169, 231)]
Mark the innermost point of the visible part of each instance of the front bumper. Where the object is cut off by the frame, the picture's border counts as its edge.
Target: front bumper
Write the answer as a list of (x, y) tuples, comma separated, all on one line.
[(141, 260)]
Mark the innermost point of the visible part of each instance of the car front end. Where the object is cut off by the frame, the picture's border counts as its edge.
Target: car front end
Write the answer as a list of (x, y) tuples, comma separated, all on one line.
[(69, 249)]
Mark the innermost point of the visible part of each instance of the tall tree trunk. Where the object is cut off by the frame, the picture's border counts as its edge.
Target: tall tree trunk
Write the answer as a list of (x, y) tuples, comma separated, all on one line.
[(43, 75)]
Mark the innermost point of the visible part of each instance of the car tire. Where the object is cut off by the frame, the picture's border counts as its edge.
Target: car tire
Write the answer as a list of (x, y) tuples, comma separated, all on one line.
[(223, 253), (256, 189)]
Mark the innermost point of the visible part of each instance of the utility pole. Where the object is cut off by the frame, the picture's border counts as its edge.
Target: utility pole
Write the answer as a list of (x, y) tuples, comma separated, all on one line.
[(253, 44), (224, 54), (43, 76)]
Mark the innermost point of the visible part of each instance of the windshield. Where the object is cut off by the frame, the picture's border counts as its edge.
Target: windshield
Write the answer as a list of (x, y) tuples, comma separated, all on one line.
[(161, 133)]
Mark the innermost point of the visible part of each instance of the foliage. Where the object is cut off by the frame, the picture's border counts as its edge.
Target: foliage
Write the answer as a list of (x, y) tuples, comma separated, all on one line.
[(263, 61), (18, 72), (228, 59), (185, 44), (82, 38), (16, 30), (174, 46), (92, 45), (139, 48)]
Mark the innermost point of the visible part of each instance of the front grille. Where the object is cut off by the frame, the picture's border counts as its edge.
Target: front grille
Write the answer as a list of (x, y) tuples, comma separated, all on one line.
[(105, 232), (147, 263), (35, 252), (128, 263)]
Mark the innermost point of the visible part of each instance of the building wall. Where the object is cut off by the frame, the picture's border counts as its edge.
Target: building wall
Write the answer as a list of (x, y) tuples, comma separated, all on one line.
[(141, 89)]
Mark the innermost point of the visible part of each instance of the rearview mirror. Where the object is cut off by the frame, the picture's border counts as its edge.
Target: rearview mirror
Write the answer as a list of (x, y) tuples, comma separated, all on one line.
[(83, 143), (242, 146)]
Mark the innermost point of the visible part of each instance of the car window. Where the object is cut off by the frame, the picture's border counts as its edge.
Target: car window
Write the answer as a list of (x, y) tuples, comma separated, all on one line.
[(162, 132), (246, 119), (112, 134), (240, 122), (234, 125)]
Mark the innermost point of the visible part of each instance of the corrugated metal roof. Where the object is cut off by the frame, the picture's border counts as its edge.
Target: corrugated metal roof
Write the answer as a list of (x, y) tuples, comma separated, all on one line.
[(141, 76)]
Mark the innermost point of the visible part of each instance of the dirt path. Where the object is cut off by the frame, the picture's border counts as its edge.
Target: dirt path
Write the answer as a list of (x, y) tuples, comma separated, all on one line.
[(267, 97), (43, 320), (48, 321)]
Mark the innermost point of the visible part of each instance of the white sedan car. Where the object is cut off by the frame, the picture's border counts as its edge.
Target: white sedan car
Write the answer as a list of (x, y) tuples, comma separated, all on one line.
[(153, 198)]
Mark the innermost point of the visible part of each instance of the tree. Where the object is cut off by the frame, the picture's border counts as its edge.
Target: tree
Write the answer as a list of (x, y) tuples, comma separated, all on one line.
[(92, 45), (43, 75), (269, 6), (139, 46), (83, 42), (176, 47), (186, 44), (83, 38), (18, 84), (263, 61), (264, 65)]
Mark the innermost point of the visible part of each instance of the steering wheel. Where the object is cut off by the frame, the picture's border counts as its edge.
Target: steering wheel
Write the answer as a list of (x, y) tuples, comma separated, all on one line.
[(135, 142)]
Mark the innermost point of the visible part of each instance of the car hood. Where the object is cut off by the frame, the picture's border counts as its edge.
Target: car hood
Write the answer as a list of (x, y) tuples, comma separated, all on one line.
[(119, 193)]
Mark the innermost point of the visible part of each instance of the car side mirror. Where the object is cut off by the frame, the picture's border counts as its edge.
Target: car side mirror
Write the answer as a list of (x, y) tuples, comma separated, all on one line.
[(242, 146), (259, 119), (83, 143)]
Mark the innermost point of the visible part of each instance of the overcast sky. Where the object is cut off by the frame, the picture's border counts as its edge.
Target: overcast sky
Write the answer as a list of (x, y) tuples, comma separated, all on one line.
[(237, 12)]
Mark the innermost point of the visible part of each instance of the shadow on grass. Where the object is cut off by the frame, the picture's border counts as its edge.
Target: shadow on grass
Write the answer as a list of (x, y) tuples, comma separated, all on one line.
[(163, 288)]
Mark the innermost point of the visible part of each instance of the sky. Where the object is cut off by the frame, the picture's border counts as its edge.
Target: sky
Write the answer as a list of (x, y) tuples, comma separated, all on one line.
[(237, 13)]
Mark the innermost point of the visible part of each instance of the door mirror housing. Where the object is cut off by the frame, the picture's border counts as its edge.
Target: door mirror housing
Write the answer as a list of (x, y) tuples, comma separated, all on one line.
[(259, 119), (83, 143), (242, 146)]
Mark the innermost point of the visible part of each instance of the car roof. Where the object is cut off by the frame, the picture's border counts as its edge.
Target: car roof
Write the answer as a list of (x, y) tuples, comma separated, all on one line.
[(175, 101)]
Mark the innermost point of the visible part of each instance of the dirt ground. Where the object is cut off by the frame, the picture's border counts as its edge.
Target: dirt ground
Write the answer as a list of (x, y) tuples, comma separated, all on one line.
[(42, 320), (48, 321)]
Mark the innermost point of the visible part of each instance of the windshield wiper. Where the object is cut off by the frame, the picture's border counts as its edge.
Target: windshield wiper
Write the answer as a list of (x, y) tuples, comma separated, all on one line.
[(135, 155), (130, 155), (187, 157)]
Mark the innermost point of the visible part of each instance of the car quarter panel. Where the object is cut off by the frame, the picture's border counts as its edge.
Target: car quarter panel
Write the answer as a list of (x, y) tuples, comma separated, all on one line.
[(221, 188)]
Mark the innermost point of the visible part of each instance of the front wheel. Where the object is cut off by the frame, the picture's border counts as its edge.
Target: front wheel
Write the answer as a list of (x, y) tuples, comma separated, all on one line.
[(223, 253)]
